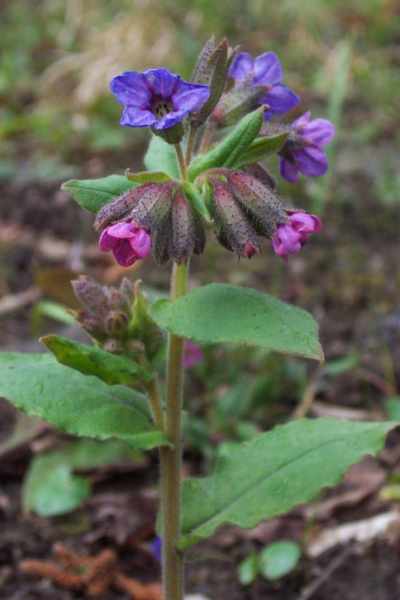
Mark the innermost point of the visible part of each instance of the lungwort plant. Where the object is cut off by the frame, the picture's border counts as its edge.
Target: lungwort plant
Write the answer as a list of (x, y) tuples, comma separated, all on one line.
[(204, 172)]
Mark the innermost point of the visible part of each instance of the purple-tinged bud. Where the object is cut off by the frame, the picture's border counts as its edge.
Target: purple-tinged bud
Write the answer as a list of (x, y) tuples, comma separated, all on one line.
[(261, 174), (192, 355), (291, 236), (263, 209), (234, 230), (211, 69), (128, 242), (119, 208), (116, 322), (154, 206), (188, 235), (304, 151), (91, 295)]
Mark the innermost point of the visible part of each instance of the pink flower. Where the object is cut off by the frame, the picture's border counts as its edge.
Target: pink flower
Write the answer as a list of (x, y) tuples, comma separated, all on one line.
[(127, 241), (192, 355), (290, 237)]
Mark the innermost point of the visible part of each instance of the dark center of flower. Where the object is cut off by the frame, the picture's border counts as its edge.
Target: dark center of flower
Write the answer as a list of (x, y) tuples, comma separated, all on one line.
[(160, 107)]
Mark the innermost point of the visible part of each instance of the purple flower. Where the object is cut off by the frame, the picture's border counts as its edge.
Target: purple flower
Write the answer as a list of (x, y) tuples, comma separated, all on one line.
[(192, 355), (265, 71), (156, 98), (304, 150), (290, 237), (127, 241), (156, 548)]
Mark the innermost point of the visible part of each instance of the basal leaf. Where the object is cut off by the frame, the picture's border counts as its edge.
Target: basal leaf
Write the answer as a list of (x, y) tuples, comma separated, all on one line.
[(78, 404), (161, 156), (91, 360), (51, 488), (92, 194), (226, 313), (274, 472)]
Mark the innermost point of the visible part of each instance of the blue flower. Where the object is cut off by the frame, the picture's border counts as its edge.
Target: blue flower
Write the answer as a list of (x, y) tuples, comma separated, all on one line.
[(304, 151), (265, 71), (156, 98)]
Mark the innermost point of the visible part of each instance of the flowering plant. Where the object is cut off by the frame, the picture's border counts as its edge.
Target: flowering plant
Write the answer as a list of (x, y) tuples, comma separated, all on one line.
[(205, 171)]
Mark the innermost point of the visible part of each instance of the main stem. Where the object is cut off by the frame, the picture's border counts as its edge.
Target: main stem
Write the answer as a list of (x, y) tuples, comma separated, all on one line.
[(171, 457)]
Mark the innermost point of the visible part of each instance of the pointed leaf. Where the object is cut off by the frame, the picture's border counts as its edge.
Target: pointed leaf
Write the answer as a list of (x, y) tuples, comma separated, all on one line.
[(274, 472), (91, 360), (161, 156), (260, 148), (226, 313), (78, 404), (92, 194), (228, 151), (148, 177)]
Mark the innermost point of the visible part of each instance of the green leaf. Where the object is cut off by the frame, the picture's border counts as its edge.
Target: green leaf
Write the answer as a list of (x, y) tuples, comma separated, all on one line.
[(92, 194), (392, 405), (148, 177), (78, 404), (161, 156), (278, 559), (260, 148), (219, 313), (228, 151), (248, 569), (275, 471), (51, 488), (91, 360), (341, 365)]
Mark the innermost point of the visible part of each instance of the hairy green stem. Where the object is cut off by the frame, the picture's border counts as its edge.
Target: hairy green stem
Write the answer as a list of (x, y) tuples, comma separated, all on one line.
[(181, 161), (171, 457)]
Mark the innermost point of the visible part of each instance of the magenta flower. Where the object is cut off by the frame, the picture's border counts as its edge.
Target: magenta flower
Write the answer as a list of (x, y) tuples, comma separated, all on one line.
[(192, 355), (265, 71), (127, 241), (156, 98), (304, 150), (290, 237)]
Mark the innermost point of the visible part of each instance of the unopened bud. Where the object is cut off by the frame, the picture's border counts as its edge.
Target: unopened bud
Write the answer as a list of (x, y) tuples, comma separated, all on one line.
[(234, 231), (263, 209), (187, 236), (91, 295), (120, 207), (116, 322)]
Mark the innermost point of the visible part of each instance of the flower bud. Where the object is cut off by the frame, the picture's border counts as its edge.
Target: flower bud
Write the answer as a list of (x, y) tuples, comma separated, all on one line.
[(263, 209), (234, 230), (175, 228), (91, 295), (187, 236), (119, 208), (211, 69)]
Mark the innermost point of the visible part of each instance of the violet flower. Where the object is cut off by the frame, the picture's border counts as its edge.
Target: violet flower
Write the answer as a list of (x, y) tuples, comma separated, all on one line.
[(156, 98), (290, 237), (304, 150), (265, 71), (192, 355), (127, 241)]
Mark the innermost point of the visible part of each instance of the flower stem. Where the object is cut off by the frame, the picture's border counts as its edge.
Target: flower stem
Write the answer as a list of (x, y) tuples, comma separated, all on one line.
[(181, 161), (171, 457)]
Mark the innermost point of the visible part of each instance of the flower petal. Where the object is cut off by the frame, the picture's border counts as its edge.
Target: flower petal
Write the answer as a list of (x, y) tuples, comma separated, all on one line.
[(319, 132), (131, 88), (136, 117), (190, 96), (124, 254), (242, 66), (289, 171), (141, 243), (267, 69), (280, 99), (311, 161), (161, 82), (171, 119), (122, 230), (106, 241)]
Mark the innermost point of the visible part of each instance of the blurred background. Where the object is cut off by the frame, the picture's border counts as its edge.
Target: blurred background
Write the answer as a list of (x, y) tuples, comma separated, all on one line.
[(59, 121)]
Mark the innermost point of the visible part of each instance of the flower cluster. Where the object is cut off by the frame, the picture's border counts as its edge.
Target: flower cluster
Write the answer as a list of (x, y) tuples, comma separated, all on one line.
[(238, 197)]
